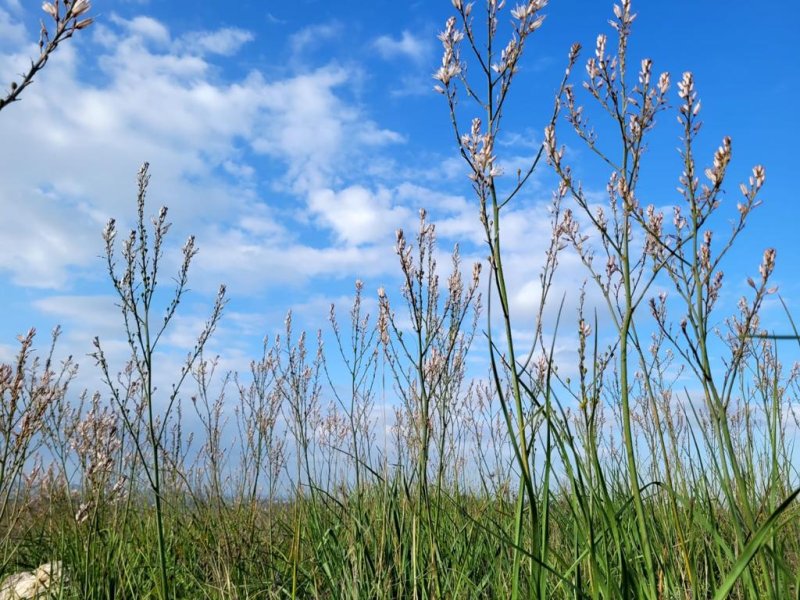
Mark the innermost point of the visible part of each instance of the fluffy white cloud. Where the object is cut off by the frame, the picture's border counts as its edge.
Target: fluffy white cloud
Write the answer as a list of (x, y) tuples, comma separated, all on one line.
[(145, 28), (309, 127), (78, 142), (356, 215), (276, 176)]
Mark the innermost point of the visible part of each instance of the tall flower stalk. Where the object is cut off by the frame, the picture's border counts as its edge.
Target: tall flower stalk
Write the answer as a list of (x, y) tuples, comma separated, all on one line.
[(496, 72), (136, 284)]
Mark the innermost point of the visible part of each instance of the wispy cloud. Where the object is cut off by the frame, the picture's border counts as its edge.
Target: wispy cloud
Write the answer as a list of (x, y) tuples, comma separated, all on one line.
[(13, 5), (275, 20), (144, 28), (407, 45), (12, 33), (278, 175), (160, 100), (312, 36), (225, 42)]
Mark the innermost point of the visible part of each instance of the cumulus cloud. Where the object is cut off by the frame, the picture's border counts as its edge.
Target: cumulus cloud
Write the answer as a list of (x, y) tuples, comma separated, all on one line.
[(145, 28), (357, 215), (161, 101), (276, 175), (250, 263)]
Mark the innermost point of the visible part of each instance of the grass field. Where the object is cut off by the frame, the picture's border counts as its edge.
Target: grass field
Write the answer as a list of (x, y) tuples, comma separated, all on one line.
[(663, 467)]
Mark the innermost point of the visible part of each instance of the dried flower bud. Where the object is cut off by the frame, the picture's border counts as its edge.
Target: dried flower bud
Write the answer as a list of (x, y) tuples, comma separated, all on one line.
[(50, 9), (759, 176), (188, 247), (451, 64), (550, 141), (585, 330), (476, 273), (83, 512), (79, 7), (574, 50), (644, 73), (687, 94), (600, 49), (663, 83), (110, 231), (767, 264)]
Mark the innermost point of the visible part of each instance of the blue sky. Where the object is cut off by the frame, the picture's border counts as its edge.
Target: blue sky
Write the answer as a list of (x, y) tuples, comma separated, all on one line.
[(294, 138)]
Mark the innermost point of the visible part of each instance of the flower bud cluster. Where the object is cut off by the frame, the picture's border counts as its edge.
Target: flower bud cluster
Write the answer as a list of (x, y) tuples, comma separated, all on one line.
[(451, 63)]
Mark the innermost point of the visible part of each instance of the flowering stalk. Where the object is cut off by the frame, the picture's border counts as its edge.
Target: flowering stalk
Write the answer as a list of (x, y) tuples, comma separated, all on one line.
[(477, 147), (136, 287), (69, 17)]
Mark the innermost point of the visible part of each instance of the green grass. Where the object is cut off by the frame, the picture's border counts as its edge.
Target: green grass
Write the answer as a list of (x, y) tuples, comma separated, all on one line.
[(374, 545), (663, 468)]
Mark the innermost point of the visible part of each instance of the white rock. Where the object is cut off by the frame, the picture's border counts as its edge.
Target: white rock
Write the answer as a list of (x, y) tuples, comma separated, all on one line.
[(27, 585)]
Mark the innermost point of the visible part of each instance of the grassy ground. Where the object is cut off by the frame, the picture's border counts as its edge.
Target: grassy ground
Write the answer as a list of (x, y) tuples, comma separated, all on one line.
[(662, 467), (381, 544)]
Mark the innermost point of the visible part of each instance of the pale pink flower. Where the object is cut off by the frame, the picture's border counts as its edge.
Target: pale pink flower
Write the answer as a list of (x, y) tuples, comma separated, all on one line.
[(79, 7), (50, 9)]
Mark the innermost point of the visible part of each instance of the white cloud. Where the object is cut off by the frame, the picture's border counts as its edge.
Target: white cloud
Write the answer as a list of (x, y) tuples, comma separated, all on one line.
[(225, 42), (310, 37), (516, 139), (159, 101), (413, 85), (250, 263), (164, 101), (312, 129), (12, 33), (94, 313), (34, 244), (407, 45), (145, 28), (357, 215), (457, 216)]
